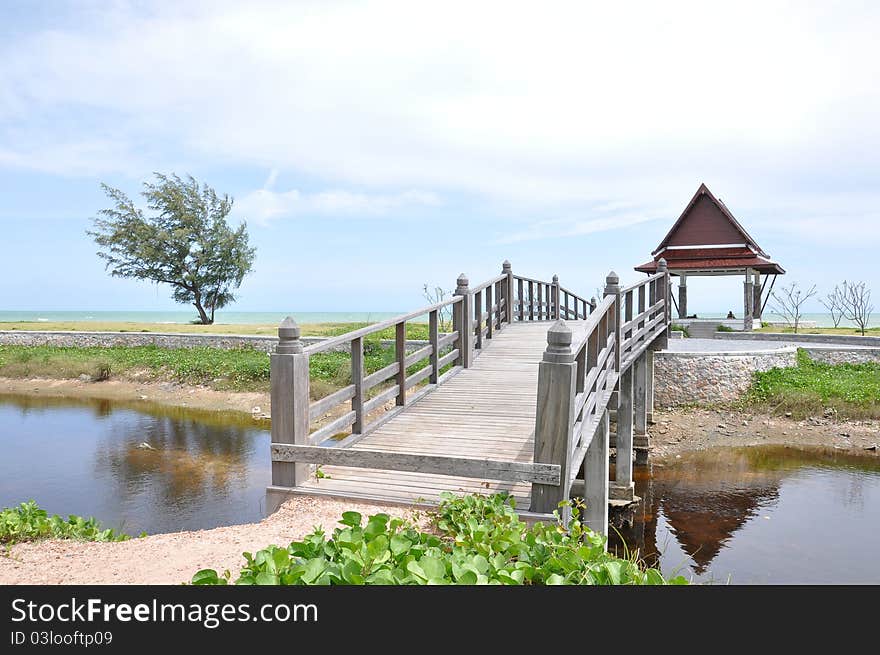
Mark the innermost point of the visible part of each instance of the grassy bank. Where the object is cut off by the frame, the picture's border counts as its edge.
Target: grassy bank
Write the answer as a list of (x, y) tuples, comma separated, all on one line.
[(870, 332), (811, 388), (414, 330), (243, 369)]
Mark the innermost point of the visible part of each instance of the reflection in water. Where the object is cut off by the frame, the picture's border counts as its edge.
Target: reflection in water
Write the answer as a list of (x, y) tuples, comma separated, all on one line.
[(760, 515), (140, 467)]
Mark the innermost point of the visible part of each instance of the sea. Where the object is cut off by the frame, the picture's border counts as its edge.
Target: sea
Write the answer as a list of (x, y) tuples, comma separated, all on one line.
[(176, 317)]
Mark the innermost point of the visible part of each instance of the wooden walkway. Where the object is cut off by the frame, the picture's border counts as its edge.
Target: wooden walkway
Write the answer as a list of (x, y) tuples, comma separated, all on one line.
[(515, 397), (486, 411)]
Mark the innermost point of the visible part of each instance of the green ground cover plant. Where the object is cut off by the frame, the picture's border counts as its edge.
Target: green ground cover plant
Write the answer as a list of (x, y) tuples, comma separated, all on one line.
[(852, 390), (27, 522), (476, 540)]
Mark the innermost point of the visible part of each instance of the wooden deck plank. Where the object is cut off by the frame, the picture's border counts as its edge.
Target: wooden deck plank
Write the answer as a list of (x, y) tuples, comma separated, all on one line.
[(487, 410)]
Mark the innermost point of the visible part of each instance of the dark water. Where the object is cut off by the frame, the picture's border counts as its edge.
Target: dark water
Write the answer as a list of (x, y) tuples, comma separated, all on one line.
[(82, 457), (761, 515)]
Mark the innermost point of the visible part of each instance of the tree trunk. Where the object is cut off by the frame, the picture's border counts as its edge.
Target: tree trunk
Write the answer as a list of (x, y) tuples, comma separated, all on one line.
[(203, 316)]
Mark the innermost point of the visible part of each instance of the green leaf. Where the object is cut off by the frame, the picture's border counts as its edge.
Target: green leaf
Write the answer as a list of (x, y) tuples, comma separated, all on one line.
[(314, 569), (400, 545), (351, 518), (266, 578), (433, 567), (555, 579), (207, 577)]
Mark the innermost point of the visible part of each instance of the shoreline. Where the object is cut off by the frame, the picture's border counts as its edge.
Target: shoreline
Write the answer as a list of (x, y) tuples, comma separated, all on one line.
[(172, 558)]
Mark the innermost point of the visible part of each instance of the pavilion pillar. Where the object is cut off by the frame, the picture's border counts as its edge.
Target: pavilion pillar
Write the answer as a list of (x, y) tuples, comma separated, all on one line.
[(682, 296), (756, 292), (748, 302)]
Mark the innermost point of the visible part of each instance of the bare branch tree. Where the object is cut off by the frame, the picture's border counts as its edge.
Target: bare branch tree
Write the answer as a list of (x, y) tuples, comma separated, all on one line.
[(788, 303), (856, 301), (444, 314), (833, 302)]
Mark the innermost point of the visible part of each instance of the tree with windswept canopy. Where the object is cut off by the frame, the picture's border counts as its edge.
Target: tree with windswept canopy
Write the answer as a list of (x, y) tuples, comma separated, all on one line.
[(185, 242)]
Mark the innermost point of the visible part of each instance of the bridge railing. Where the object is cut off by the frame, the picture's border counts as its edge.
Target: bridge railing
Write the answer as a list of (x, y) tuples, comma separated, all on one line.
[(539, 300), (577, 376)]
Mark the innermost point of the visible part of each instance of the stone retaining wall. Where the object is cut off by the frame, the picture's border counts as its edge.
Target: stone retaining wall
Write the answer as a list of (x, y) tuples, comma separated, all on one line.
[(843, 355), (707, 378)]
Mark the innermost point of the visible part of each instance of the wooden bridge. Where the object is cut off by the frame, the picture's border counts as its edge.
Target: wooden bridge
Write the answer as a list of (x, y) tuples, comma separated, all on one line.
[(516, 397)]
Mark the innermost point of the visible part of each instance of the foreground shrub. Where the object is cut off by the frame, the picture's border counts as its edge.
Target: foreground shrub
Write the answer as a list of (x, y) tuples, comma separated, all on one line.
[(28, 522), (480, 540)]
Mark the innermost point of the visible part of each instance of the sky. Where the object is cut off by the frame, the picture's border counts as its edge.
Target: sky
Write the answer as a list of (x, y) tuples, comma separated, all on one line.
[(374, 147)]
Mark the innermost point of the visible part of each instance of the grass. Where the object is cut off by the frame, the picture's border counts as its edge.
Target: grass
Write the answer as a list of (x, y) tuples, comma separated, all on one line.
[(413, 330), (27, 522), (244, 369), (680, 328), (809, 388), (874, 331)]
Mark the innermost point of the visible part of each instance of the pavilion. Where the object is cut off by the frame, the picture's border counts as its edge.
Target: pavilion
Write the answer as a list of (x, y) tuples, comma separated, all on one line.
[(707, 240)]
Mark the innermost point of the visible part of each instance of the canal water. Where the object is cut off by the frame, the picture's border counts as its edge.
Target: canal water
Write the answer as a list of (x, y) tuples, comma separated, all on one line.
[(201, 470), (769, 514), (740, 515)]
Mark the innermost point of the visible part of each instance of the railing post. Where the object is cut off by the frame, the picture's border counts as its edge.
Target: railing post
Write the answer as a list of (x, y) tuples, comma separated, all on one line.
[(358, 371), (554, 295), (612, 288), (509, 292), (554, 417), (462, 321), (592, 305), (663, 291), (434, 338), (289, 393), (595, 469)]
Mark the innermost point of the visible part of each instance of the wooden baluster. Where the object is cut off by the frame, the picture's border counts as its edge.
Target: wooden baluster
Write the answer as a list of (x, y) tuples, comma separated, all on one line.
[(490, 315), (540, 301), (434, 337), (461, 322), (478, 320), (522, 300), (400, 352), (663, 292), (531, 301), (628, 314), (592, 305), (357, 379), (509, 294), (642, 308)]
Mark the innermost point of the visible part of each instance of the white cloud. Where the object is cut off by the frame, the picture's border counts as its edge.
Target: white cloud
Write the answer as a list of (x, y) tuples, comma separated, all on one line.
[(540, 110), (264, 205)]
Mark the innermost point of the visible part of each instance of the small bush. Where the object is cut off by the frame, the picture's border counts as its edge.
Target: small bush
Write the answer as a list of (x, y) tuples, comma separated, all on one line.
[(28, 522), (480, 540), (724, 328), (680, 328)]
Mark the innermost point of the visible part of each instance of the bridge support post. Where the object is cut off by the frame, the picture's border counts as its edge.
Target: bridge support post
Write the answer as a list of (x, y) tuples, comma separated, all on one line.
[(595, 514), (640, 407), (289, 393), (554, 418), (649, 383), (623, 470), (462, 321), (554, 299)]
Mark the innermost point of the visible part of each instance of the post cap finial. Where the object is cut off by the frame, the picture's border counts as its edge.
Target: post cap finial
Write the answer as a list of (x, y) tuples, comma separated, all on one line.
[(661, 265), (289, 337), (461, 284), (555, 279), (505, 267), (559, 343), (593, 300), (612, 283)]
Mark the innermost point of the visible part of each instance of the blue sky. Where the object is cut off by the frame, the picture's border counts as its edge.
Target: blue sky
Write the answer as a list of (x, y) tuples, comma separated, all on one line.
[(373, 147)]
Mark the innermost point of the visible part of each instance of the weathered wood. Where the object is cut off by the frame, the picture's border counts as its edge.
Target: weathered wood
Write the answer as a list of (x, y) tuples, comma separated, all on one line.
[(417, 377), (540, 302), (358, 369), (663, 293), (448, 358), (640, 389), (462, 321), (418, 355), (381, 399), (400, 354), (539, 473), (478, 320), (332, 428), (595, 514), (380, 376), (325, 404), (289, 394), (490, 317), (434, 338), (522, 300), (624, 440), (649, 385), (554, 417)]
